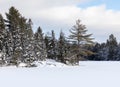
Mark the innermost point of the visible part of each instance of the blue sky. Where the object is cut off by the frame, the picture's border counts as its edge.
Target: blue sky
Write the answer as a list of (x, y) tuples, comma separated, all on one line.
[(111, 4), (101, 17)]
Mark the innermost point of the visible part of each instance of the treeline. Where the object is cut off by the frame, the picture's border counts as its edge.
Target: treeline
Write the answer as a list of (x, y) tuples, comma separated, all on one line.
[(19, 44), (109, 51)]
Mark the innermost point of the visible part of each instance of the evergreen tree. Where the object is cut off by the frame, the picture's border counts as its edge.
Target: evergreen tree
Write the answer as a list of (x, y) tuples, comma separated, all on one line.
[(13, 19), (112, 46), (23, 36), (51, 46), (47, 45), (2, 32), (103, 52), (118, 53), (40, 49), (9, 47), (62, 47), (100, 52), (79, 36), (29, 54), (2, 40)]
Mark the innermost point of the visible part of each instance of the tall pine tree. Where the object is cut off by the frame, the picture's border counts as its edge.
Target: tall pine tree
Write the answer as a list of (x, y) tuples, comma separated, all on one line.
[(80, 37), (14, 29)]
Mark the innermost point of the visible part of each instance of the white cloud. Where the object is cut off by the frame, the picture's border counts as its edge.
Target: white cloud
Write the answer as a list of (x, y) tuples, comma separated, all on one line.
[(99, 20), (57, 14)]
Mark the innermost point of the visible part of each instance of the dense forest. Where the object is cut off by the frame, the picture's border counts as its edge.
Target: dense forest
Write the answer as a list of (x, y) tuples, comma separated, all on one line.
[(19, 44)]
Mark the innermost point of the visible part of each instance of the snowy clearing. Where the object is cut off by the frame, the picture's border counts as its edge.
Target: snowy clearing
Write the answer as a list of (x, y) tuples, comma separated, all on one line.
[(88, 74)]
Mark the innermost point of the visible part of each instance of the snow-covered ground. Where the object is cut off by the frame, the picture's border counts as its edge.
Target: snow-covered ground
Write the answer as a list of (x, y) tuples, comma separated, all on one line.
[(88, 74)]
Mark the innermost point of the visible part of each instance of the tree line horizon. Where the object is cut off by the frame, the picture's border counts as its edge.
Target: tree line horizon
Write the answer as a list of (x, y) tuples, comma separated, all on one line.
[(19, 44)]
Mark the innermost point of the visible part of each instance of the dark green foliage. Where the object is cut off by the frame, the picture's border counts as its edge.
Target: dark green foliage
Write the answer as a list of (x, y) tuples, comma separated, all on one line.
[(2, 41), (40, 49), (95, 49), (108, 51), (47, 44), (112, 47), (62, 47), (13, 18), (20, 38), (29, 54), (51, 45), (2, 32)]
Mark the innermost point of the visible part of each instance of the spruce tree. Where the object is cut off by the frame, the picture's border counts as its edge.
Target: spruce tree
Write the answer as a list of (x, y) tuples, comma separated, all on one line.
[(29, 54), (2, 32), (112, 46), (2, 41), (96, 49), (118, 53), (51, 46), (13, 19), (47, 45), (62, 47), (103, 52), (40, 49)]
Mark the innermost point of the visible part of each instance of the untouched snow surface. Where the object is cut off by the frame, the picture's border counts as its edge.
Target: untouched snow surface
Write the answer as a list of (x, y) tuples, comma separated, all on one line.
[(88, 74)]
